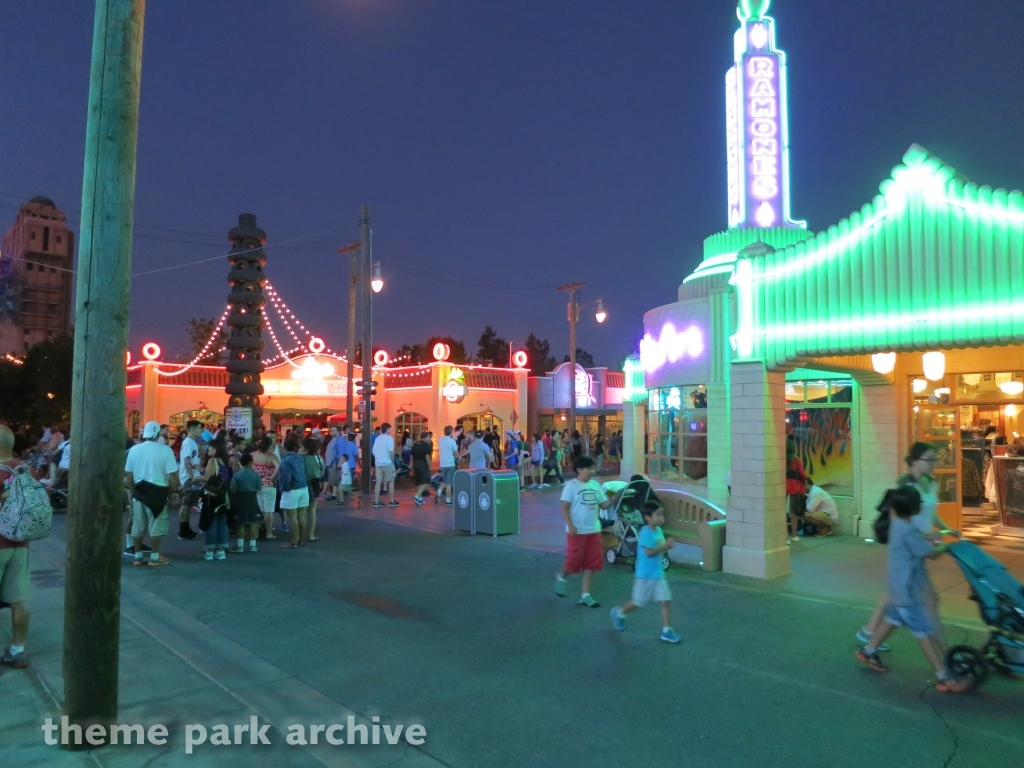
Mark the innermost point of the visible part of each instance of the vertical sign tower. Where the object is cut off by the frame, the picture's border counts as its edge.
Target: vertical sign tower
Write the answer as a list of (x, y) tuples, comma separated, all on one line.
[(757, 130), (246, 320)]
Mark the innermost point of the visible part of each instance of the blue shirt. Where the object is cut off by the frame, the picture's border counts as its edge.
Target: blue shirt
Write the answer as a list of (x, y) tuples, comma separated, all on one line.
[(649, 567), (351, 450), (292, 474)]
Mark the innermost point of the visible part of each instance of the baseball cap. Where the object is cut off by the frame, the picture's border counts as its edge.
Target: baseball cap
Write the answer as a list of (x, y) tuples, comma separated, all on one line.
[(151, 430)]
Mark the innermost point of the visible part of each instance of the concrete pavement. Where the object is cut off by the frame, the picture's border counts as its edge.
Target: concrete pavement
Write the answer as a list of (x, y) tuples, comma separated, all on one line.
[(393, 615)]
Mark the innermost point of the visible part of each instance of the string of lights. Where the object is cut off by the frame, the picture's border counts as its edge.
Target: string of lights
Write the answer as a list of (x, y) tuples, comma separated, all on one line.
[(214, 337)]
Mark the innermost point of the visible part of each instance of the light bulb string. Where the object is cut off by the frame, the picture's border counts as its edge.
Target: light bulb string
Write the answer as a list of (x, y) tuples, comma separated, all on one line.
[(215, 336)]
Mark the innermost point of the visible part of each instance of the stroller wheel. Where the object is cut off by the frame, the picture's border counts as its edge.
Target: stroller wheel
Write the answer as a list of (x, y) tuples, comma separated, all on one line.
[(994, 656), (665, 562), (968, 663), (611, 556)]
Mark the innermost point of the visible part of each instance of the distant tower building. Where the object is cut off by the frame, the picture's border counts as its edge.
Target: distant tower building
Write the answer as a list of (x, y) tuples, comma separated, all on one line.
[(246, 320), (36, 259)]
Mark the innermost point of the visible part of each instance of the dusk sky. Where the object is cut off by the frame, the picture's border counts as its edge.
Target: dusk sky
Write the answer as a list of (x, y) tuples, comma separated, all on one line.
[(505, 147)]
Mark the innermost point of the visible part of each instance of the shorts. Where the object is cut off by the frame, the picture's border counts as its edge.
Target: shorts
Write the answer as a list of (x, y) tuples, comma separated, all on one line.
[(386, 474), (821, 518), (14, 575), (333, 476), (534, 464), (448, 475), (144, 522), (296, 499), (583, 552), (421, 472), (645, 590), (267, 497), (913, 617)]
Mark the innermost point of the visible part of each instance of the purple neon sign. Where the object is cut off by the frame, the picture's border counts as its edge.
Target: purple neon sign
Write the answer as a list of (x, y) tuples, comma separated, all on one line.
[(757, 138)]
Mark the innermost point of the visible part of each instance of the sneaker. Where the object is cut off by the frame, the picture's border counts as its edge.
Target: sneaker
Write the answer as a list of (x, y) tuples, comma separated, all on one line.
[(669, 636), (865, 637), (448, 501), (220, 555), (285, 528), (378, 504), (253, 547), (545, 485), (871, 659), (794, 540), (208, 555), (129, 552), (533, 487), (16, 660), (393, 504), (185, 532), (943, 684), (239, 550), (559, 585), (588, 601), (418, 500), (157, 563), (618, 618), (330, 497)]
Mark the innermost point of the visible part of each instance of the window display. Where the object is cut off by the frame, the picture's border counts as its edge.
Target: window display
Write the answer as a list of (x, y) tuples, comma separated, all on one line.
[(677, 434)]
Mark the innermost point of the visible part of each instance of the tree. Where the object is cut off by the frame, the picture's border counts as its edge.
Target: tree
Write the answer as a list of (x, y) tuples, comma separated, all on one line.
[(38, 389), (491, 348), (539, 352), (583, 358), (199, 330)]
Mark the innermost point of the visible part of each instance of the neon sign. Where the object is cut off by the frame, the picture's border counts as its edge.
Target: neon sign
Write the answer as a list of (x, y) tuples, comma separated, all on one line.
[(583, 386), (670, 347), (455, 389), (313, 370), (757, 132)]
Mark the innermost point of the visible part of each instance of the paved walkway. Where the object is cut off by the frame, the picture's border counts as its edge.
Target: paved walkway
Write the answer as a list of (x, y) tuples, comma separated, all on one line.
[(393, 615)]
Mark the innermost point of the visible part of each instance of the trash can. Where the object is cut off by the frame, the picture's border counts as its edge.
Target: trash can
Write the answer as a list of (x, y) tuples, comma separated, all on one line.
[(463, 502), (497, 502)]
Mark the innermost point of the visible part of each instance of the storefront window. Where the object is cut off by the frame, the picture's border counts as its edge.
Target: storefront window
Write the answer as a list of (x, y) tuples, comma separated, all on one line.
[(677, 433), (820, 424)]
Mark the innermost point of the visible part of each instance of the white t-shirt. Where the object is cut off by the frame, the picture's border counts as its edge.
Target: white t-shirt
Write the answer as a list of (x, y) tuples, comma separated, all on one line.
[(189, 458), (448, 449), (383, 450), (818, 500), (65, 458), (584, 502), (151, 461)]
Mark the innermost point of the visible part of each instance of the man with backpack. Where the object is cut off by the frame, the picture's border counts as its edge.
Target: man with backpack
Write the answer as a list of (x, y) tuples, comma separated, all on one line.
[(14, 566), (151, 473)]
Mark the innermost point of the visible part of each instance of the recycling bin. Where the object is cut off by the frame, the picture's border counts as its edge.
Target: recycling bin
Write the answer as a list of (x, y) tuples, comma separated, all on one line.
[(496, 497), (463, 501)]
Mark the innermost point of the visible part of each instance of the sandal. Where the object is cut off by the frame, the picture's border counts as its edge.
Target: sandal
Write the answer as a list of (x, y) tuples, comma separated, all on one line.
[(313, 538)]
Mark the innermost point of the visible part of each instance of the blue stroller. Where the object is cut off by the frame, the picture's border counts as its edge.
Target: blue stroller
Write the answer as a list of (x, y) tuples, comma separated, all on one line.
[(1000, 599)]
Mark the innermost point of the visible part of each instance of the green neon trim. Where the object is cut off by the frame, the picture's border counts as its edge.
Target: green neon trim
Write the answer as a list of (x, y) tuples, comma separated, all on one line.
[(722, 258), (752, 9), (708, 272), (936, 318), (636, 387)]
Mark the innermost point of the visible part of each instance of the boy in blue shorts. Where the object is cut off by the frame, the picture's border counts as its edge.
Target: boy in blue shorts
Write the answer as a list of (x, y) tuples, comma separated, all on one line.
[(649, 581)]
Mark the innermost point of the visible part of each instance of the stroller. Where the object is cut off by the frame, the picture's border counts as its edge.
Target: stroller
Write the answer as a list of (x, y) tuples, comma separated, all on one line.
[(1000, 599), (621, 528)]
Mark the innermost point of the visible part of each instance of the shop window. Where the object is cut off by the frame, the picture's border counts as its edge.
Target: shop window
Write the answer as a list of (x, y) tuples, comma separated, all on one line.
[(413, 423), (677, 434), (821, 425)]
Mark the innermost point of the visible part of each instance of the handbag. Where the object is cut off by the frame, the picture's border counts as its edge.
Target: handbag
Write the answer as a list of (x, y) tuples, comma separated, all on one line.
[(881, 525)]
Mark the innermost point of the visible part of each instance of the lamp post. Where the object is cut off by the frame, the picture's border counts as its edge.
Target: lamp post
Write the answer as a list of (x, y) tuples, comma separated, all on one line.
[(353, 282), (367, 361), (574, 315)]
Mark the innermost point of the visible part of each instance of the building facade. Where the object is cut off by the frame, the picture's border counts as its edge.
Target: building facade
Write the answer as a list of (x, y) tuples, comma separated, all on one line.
[(598, 395), (36, 263), (903, 322)]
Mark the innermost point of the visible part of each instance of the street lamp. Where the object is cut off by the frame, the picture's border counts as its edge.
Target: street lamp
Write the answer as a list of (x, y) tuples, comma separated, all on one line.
[(574, 315), (377, 281)]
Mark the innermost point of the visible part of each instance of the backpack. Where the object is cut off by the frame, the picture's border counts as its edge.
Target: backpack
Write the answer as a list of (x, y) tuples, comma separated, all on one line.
[(27, 514)]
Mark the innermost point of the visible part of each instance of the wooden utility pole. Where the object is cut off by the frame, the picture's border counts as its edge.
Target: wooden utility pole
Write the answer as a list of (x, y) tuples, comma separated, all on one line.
[(92, 593), (574, 315), (353, 284), (367, 361)]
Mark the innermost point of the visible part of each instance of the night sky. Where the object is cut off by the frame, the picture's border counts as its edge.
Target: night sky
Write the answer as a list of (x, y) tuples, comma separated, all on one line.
[(514, 143)]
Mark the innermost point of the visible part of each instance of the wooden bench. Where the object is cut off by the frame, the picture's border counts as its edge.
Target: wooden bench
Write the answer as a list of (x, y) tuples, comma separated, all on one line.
[(690, 519)]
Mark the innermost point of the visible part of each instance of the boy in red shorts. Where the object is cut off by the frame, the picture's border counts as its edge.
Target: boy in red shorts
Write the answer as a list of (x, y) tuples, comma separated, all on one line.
[(581, 499)]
